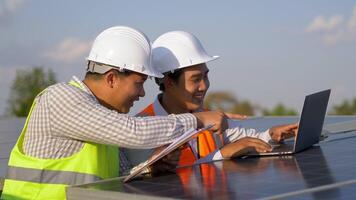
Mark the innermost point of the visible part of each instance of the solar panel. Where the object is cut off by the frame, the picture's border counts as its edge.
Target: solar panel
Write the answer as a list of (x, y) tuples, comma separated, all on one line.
[(9, 131), (325, 170)]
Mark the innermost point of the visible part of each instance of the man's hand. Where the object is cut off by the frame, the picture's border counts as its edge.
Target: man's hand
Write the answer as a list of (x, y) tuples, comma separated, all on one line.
[(279, 133), (218, 118), (244, 146), (167, 163)]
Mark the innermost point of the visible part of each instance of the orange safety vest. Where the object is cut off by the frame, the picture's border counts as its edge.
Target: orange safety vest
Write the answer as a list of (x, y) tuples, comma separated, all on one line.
[(206, 143)]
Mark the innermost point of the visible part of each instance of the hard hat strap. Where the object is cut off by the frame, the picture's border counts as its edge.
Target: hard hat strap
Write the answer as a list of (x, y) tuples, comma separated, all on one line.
[(101, 68)]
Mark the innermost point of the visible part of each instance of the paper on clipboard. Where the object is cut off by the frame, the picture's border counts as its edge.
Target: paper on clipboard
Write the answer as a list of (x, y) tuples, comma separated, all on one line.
[(188, 135)]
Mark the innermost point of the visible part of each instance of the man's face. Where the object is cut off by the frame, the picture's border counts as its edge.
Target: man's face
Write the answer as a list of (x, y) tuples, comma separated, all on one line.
[(191, 87), (127, 90)]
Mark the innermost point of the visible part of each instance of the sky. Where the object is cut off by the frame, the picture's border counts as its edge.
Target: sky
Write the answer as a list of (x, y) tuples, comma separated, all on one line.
[(270, 52)]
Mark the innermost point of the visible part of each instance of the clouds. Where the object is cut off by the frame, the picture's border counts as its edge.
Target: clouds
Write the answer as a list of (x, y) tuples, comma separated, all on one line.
[(351, 25), (335, 29), (69, 50), (320, 23), (8, 7)]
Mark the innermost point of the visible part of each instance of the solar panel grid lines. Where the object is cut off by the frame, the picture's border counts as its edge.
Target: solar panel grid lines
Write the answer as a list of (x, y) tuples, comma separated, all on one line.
[(330, 191)]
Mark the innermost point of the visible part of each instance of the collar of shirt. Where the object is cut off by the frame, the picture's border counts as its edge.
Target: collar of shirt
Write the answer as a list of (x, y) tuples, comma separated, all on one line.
[(160, 111), (158, 108), (83, 87)]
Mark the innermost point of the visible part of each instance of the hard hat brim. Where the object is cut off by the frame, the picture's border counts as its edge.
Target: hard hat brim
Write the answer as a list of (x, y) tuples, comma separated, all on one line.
[(102, 68), (205, 60)]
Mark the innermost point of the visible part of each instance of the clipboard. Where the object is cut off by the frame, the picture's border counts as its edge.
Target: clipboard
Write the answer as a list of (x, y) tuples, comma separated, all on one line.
[(188, 135)]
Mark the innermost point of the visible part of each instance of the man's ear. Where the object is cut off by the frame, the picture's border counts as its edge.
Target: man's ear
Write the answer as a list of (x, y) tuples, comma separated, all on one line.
[(110, 78), (168, 82)]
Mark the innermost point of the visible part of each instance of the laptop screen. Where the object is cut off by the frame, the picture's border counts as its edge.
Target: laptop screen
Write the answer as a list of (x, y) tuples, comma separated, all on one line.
[(311, 120)]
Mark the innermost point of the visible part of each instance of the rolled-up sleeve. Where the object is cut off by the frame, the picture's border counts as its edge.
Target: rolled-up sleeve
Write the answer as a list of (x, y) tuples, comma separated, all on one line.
[(233, 134)]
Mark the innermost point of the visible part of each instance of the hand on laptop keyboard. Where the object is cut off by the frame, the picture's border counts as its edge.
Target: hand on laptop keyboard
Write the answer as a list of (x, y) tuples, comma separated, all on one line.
[(274, 144), (244, 146), (282, 132)]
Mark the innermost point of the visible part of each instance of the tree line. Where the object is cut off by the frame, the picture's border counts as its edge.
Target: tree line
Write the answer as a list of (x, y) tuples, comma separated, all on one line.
[(226, 101), (28, 83)]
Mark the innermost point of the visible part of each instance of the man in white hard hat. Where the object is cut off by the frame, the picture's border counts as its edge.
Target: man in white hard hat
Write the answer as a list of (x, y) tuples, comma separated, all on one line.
[(182, 59), (73, 130)]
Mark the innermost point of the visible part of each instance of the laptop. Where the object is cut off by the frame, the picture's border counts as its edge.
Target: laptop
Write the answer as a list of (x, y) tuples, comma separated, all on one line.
[(310, 126)]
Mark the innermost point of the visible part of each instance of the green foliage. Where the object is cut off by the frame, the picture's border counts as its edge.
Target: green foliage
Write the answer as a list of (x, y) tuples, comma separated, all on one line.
[(280, 110), (27, 84), (219, 101), (244, 108), (225, 101), (345, 108)]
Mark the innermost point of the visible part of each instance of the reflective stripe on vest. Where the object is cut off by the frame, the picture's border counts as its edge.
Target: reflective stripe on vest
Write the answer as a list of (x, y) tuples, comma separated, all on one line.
[(49, 176), (205, 140)]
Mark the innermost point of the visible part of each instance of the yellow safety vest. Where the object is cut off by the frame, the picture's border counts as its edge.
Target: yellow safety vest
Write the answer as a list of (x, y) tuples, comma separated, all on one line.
[(34, 178)]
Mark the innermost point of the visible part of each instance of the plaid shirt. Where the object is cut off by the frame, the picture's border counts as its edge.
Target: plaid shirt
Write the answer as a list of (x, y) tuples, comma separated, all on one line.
[(66, 116)]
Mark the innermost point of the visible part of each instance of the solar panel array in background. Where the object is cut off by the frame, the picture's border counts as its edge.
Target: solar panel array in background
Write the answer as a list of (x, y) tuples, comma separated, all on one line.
[(9, 132)]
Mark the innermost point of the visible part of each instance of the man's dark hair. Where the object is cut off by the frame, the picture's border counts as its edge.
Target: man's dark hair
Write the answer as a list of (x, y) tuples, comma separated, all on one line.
[(96, 76), (173, 75)]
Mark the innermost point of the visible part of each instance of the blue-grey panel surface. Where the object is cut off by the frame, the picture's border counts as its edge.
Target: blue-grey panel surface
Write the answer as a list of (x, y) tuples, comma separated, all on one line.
[(324, 171), (10, 129)]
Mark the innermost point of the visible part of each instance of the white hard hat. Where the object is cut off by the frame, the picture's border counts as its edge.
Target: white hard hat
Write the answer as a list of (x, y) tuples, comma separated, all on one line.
[(123, 48), (178, 49)]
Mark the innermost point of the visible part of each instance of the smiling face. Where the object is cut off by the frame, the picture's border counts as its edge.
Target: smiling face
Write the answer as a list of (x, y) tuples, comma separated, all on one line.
[(126, 90), (188, 92)]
